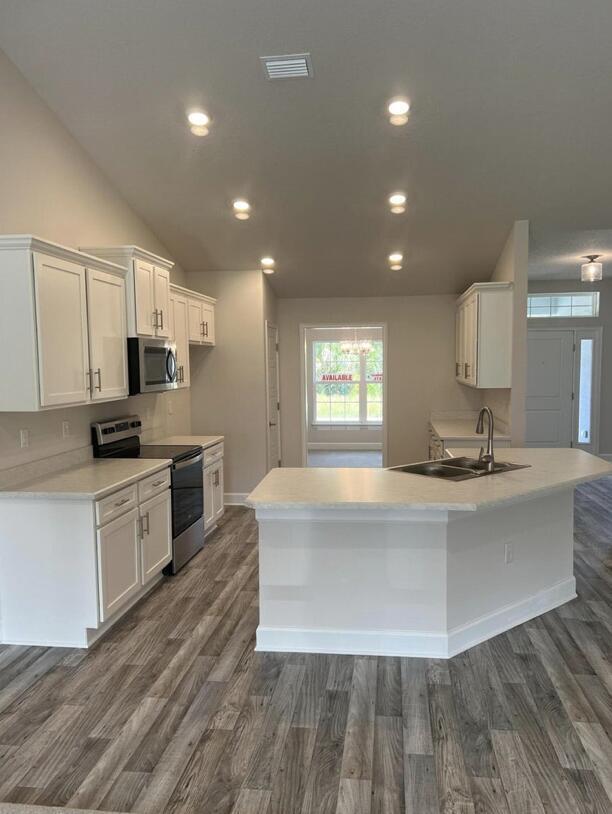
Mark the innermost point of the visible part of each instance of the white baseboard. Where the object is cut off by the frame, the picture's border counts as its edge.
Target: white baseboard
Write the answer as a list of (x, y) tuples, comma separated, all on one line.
[(441, 645), (235, 498), (357, 446)]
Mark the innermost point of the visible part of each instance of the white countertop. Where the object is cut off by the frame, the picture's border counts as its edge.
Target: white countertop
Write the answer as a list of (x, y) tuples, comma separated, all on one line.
[(204, 440), (462, 429), (89, 481), (319, 488)]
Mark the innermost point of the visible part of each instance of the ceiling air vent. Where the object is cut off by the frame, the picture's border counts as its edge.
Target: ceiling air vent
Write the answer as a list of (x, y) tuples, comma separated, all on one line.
[(287, 66)]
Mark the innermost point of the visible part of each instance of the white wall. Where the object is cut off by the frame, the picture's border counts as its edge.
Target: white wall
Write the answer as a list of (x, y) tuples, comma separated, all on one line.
[(604, 320), (228, 392), (50, 187), (420, 365), (512, 266)]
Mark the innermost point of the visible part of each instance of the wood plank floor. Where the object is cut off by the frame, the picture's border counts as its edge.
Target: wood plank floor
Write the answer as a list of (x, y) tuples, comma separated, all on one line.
[(174, 712)]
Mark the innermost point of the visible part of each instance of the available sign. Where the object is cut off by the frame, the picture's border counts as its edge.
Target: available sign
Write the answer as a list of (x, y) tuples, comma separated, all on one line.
[(337, 377)]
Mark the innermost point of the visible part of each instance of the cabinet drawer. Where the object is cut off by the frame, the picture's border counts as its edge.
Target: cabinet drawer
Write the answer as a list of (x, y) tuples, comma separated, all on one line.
[(116, 504), (213, 454), (153, 485)]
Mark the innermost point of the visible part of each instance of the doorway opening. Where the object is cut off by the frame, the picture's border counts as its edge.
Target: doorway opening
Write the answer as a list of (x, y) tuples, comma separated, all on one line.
[(563, 387), (344, 398), (273, 419)]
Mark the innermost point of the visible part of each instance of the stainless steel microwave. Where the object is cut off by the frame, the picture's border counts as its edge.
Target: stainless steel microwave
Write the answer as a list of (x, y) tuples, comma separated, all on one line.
[(151, 365)]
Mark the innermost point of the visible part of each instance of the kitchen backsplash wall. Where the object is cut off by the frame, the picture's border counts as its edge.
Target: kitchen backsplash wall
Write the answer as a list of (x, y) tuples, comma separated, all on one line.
[(49, 451)]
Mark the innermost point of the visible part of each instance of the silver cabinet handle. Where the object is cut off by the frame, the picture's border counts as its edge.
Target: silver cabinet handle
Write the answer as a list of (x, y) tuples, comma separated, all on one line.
[(123, 501), (467, 370), (155, 322), (161, 316), (99, 375), (89, 381), (206, 334), (158, 482), (201, 329), (457, 368), (145, 530)]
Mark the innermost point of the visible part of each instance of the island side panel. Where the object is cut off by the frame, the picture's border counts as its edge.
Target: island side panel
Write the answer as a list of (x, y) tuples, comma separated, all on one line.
[(507, 565), (351, 582)]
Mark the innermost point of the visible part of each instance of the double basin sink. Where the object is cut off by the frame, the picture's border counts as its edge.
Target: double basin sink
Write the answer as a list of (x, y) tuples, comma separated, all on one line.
[(456, 469)]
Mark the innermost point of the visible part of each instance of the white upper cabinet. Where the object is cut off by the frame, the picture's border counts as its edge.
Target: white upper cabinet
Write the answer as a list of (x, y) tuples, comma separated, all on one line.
[(64, 321), (61, 330), (195, 320), (180, 334), (208, 323), (483, 336), (201, 320), (147, 286), (106, 312)]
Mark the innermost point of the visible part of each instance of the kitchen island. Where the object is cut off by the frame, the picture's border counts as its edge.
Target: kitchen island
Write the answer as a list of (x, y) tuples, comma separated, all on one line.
[(372, 561)]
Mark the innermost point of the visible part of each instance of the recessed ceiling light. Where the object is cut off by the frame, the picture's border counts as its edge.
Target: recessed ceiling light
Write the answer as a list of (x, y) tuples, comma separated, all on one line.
[(397, 202), (198, 121), (395, 260), (398, 110), (267, 265), (242, 209)]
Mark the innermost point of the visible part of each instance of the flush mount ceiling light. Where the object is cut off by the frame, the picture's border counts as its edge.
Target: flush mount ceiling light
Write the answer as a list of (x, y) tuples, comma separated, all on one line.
[(198, 122), (242, 209), (591, 272), (267, 265), (397, 202), (395, 260), (398, 110)]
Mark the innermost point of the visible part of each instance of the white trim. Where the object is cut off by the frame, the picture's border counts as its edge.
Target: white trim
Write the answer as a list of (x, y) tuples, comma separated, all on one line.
[(427, 644), (194, 295), (303, 392), (356, 445), (269, 464), (235, 498)]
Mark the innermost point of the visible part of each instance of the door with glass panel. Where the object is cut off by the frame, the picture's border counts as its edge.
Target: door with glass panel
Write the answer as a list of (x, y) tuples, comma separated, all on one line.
[(563, 376)]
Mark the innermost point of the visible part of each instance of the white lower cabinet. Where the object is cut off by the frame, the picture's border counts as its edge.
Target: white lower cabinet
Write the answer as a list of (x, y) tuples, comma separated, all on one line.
[(156, 535), (118, 563)]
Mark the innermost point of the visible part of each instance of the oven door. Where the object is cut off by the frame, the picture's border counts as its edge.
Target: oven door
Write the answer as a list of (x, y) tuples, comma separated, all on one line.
[(187, 493)]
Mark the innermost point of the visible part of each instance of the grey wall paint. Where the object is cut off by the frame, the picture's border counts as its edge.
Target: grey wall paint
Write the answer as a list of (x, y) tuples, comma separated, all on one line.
[(605, 321)]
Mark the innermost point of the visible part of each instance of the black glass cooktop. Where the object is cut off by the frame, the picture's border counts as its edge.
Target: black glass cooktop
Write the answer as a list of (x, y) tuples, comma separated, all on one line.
[(174, 451)]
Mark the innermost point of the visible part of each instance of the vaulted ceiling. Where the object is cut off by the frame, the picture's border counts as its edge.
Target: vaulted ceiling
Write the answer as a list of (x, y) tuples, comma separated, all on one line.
[(511, 118)]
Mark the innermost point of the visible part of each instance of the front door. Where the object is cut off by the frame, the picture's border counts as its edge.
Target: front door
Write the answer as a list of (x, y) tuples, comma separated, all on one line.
[(550, 372)]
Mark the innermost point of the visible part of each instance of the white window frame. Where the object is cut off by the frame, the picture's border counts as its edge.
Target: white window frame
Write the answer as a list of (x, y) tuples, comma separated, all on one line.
[(549, 295)]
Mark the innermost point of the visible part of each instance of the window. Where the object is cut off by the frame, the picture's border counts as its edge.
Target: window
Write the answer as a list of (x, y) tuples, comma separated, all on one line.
[(348, 386), (563, 305)]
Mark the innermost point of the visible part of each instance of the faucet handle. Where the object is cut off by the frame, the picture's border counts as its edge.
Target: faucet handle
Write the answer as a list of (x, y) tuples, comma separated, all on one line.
[(481, 453)]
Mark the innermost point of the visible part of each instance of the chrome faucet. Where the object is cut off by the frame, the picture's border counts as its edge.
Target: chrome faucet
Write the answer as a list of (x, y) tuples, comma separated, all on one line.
[(487, 458)]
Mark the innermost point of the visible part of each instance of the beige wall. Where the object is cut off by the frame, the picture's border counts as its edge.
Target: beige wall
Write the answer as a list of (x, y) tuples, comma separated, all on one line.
[(420, 364), (50, 187), (604, 320), (512, 267), (228, 394)]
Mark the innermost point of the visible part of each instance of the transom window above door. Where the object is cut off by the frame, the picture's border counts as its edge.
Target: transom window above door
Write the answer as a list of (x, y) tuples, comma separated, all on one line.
[(563, 305), (348, 378)]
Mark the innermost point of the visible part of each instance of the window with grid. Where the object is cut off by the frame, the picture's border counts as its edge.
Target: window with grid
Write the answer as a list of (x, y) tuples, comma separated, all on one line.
[(348, 387), (563, 305)]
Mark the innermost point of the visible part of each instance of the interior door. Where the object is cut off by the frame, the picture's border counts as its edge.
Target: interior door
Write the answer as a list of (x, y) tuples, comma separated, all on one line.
[(161, 283), (550, 366), (106, 311), (144, 291), (61, 324), (180, 318), (273, 397), (156, 523)]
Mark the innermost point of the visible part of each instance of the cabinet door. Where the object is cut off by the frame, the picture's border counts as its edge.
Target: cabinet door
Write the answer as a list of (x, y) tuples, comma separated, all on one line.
[(144, 293), (156, 546), (195, 321), (162, 301), (61, 325), (106, 310), (180, 319), (209, 504), (217, 479), (118, 563), (208, 324), (471, 339)]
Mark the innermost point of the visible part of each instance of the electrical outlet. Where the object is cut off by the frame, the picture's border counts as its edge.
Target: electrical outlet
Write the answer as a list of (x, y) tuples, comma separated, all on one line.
[(65, 429), (508, 553), (24, 438)]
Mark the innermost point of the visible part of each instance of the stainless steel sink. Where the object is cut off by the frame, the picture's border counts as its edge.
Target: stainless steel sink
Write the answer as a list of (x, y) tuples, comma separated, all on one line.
[(456, 469)]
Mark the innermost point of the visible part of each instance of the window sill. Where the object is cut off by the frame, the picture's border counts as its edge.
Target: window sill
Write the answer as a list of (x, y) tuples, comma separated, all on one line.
[(340, 426)]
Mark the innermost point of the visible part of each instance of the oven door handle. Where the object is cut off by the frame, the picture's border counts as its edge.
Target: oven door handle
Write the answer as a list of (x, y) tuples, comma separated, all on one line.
[(188, 461)]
